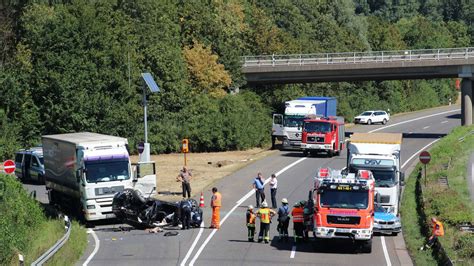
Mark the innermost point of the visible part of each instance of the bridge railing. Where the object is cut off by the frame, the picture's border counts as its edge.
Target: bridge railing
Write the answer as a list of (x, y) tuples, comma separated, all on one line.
[(359, 57)]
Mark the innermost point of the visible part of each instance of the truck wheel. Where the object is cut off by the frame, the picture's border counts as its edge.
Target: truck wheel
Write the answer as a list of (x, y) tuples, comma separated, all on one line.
[(384, 121), (369, 122), (367, 246)]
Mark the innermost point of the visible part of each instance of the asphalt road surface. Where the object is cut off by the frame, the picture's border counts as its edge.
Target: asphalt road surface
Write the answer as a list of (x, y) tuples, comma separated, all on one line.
[(228, 246)]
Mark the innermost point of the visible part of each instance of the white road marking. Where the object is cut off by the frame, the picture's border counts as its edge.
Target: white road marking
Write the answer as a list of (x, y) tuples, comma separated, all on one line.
[(193, 245), (293, 252), (244, 198), (426, 127), (444, 122), (96, 248), (385, 252), (415, 119)]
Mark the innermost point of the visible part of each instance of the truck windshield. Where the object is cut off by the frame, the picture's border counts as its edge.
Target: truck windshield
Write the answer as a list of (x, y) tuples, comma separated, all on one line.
[(293, 121), (317, 127), (106, 170), (344, 199), (383, 177)]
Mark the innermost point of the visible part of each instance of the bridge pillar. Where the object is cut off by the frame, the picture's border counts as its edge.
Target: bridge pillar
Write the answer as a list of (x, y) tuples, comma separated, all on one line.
[(466, 101)]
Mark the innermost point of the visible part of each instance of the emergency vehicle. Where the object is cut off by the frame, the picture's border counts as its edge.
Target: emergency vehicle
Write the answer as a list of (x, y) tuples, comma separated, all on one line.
[(344, 207), (323, 134)]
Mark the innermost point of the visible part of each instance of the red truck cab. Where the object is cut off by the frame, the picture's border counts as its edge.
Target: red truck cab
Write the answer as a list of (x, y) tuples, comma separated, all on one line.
[(344, 207), (323, 134)]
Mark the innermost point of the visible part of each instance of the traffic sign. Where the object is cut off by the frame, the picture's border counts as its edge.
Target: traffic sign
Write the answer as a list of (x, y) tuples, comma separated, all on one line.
[(9, 166), (425, 157), (141, 147)]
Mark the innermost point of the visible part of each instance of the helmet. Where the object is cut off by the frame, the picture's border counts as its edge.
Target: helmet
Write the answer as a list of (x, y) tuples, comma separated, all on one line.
[(264, 204), (250, 207), (302, 203), (284, 201), (297, 204)]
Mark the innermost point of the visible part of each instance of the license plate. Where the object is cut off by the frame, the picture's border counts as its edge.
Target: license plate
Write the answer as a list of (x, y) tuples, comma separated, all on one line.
[(109, 216), (343, 230)]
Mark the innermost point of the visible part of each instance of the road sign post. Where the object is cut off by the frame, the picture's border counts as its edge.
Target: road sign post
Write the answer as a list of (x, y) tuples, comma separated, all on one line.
[(425, 158), (185, 149), (9, 166)]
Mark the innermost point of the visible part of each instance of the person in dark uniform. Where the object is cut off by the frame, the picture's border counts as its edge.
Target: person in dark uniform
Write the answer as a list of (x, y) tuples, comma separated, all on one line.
[(185, 208)]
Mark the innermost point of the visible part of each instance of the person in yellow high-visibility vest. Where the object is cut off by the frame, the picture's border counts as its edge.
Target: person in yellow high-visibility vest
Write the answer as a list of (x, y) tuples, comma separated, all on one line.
[(265, 214), (250, 221)]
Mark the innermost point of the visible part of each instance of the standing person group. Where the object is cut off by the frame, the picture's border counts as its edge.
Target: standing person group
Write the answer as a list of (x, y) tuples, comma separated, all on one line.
[(259, 186), (185, 178)]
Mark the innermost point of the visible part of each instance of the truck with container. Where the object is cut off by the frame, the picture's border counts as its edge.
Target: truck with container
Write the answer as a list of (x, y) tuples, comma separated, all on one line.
[(344, 207), (379, 153), (83, 172), (325, 134), (287, 127)]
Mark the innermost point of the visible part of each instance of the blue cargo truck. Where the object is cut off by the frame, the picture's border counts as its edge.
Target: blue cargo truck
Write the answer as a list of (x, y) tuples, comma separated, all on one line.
[(287, 127)]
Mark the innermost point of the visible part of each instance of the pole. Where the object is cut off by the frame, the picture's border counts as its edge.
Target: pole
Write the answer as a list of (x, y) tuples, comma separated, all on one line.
[(185, 161), (144, 114), (425, 175)]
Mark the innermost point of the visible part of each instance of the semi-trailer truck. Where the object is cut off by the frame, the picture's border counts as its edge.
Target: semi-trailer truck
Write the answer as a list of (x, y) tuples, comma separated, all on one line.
[(287, 127), (83, 171)]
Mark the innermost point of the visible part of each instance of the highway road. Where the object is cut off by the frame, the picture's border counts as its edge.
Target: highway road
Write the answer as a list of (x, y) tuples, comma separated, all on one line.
[(229, 246)]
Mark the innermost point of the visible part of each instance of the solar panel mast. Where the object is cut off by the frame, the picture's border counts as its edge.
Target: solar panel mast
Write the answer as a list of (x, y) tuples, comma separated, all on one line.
[(151, 84)]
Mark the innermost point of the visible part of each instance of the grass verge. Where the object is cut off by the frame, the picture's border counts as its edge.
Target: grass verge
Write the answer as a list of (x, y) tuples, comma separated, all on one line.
[(450, 203)]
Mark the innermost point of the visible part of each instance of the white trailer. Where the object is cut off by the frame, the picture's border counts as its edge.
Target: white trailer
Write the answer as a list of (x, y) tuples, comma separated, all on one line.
[(379, 153), (85, 170)]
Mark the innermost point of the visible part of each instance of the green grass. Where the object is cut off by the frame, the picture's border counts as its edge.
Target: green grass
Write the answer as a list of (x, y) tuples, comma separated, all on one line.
[(73, 249), (452, 205)]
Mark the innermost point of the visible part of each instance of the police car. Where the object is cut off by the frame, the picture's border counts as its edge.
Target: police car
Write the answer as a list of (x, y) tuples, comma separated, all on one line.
[(30, 165), (386, 222)]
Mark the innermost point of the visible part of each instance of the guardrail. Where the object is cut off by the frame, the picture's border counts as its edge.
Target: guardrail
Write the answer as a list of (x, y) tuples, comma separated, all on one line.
[(50, 252), (358, 57), (440, 254)]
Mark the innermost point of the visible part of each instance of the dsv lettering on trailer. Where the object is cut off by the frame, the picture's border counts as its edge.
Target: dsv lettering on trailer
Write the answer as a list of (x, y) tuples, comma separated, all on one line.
[(372, 162)]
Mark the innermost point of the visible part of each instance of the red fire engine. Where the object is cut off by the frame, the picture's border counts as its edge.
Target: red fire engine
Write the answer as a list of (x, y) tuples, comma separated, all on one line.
[(323, 134), (344, 207)]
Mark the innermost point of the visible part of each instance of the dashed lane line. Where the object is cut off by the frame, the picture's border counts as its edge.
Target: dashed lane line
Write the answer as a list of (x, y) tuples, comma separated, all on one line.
[(293, 252), (415, 119), (244, 198)]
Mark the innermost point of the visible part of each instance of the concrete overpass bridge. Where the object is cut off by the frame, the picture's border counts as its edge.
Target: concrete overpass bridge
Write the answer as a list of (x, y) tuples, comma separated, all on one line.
[(358, 66)]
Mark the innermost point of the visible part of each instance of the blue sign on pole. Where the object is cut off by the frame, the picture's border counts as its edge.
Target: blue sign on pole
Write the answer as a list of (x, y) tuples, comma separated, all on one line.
[(150, 82)]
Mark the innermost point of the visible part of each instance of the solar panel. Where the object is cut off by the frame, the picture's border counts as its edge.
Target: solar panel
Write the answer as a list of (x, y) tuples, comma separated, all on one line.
[(150, 82)]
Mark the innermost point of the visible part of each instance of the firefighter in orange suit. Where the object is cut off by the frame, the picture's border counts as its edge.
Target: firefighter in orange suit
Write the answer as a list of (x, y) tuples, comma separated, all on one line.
[(298, 221), (250, 223), (216, 207), (438, 230), (265, 214)]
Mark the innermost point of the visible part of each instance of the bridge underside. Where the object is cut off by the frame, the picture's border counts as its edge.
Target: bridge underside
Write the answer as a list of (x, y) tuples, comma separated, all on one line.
[(281, 74)]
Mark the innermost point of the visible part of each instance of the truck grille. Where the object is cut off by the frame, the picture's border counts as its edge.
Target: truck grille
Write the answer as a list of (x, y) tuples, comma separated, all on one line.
[(294, 136), (332, 219), (316, 139), (384, 199), (108, 190)]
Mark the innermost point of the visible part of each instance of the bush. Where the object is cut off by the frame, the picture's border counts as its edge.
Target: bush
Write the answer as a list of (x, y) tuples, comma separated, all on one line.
[(20, 214)]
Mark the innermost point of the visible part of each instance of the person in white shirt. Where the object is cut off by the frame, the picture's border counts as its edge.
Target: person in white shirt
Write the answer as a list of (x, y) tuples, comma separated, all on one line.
[(273, 190)]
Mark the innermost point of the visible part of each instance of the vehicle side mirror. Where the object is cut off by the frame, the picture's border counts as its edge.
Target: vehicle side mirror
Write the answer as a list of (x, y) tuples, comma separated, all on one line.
[(402, 179), (78, 175), (377, 199)]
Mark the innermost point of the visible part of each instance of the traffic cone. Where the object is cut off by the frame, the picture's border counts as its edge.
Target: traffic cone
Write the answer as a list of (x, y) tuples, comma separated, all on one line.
[(201, 201)]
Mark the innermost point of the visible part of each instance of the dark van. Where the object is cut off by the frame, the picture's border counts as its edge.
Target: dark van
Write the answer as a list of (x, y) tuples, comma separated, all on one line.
[(30, 165)]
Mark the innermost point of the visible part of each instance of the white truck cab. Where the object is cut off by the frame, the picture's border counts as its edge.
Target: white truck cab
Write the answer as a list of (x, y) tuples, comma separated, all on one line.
[(379, 153)]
